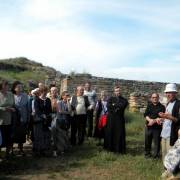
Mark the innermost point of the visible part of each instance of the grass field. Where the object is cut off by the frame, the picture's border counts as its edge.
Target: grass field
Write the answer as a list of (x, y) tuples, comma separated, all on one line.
[(90, 161)]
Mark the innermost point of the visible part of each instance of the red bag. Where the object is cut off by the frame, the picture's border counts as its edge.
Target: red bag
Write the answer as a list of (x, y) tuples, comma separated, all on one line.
[(102, 121)]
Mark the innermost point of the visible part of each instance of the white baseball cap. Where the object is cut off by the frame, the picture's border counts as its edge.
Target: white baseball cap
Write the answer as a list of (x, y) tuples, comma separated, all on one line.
[(170, 88)]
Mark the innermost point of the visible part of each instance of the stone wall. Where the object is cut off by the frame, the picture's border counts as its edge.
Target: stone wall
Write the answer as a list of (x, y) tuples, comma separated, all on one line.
[(138, 101), (137, 92)]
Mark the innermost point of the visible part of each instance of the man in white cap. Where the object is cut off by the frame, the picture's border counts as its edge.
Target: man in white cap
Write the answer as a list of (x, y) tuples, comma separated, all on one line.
[(171, 122)]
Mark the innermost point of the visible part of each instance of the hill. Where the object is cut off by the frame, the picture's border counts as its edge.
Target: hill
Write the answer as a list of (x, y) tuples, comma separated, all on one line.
[(26, 71)]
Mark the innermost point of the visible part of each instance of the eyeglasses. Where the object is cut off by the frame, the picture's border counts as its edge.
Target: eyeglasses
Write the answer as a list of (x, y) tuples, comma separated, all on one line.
[(154, 97)]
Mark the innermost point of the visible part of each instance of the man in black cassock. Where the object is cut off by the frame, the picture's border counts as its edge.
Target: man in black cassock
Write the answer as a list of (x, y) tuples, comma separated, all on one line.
[(115, 128)]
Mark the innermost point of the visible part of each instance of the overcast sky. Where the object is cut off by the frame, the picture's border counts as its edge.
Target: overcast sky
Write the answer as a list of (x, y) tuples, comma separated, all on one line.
[(127, 39)]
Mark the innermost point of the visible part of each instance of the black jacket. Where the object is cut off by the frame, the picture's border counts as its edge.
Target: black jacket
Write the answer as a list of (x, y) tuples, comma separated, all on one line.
[(153, 111), (175, 125)]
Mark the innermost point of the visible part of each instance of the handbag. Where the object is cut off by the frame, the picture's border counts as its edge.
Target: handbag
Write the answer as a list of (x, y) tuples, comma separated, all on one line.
[(64, 123), (46, 122), (102, 121)]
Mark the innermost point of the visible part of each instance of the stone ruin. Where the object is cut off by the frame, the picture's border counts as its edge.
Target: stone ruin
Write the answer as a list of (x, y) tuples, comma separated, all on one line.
[(138, 101), (137, 92)]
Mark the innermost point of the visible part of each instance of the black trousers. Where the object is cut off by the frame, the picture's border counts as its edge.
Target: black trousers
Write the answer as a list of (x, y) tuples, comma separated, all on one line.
[(90, 122), (152, 134), (78, 125), (6, 133)]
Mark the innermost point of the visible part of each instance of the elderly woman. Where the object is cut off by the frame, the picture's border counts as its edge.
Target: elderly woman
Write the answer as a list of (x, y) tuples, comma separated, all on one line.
[(54, 98), (20, 124), (32, 96), (53, 95), (42, 123), (6, 109), (101, 110), (60, 132)]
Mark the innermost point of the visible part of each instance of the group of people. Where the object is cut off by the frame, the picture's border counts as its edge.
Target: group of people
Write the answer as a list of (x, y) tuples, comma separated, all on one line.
[(55, 123), (163, 127)]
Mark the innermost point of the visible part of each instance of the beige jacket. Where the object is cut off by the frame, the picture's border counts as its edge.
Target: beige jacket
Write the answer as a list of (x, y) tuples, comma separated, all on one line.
[(6, 101)]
